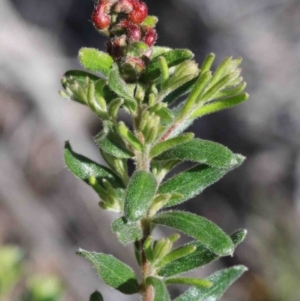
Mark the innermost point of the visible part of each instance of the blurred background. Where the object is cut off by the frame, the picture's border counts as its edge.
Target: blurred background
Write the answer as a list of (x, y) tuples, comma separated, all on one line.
[(46, 213)]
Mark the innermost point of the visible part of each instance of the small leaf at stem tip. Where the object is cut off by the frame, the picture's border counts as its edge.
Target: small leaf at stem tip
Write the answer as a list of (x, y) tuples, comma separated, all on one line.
[(202, 151), (96, 296), (160, 290), (238, 236), (209, 60), (95, 60), (164, 70), (128, 136), (150, 21), (127, 232), (205, 231), (158, 50), (170, 143), (139, 195), (221, 281), (113, 272), (219, 105), (190, 281), (173, 58)]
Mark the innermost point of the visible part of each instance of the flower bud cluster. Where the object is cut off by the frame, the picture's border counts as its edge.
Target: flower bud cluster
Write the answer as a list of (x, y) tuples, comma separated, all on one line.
[(131, 40)]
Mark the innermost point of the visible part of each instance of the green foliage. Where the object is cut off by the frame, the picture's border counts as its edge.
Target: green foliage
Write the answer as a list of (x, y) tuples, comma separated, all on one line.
[(113, 272), (146, 81)]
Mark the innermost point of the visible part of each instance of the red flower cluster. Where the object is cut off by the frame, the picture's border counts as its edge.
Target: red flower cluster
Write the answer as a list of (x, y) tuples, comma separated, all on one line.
[(122, 21)]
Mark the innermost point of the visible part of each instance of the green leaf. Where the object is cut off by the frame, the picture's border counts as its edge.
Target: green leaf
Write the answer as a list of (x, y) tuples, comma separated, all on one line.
[(207, 63), (170, 143), (203, 151), (121, 88), (221, 281), (159, 50), (96, 296), (191, 182), (219, 105), (150, 21), (238, 236), (113, 272), (95, 60), (173, 58), (110, 142), (206, 232), (190, 281), (160, 291), (84, 168), (199, 257), (129, 137), (76, 84), (139, 196), (126, 231)]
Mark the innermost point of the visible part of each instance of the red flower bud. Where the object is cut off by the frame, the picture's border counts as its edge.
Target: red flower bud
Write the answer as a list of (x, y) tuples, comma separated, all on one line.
[(124, 6), (133, 31), (150, 36), (116, 46), (139, 12), (100, 19)]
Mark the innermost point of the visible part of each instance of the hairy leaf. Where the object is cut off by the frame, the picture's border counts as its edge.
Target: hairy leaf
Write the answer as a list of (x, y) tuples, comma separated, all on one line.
[(170, 143), (191, 182), (95, 60), (113, 272), (190, 281), (221, 281), (160, 291), (139, 196), (203, 151), (126, 231), (84, 168), (121, 88), (206, 232), (173, 58), (238, 236), (96, 296)]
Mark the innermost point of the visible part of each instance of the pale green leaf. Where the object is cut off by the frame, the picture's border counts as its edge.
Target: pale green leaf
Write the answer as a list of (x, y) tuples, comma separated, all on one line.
[(203, 151), (95, 60), (206, 232), (150, 21), (221, 281), (113, 272), (158, 50), (160, 291), (139, 195), (173, 58), (190, 281), (126, 231)]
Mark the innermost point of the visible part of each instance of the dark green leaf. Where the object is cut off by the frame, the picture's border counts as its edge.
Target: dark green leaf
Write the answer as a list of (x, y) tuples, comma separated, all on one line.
[(200, 257), (238, 236), (203, 151), (219, 105), (127, 232), (113, 272), (84, 168), (96, 296), (139, 196), (190, 281), (221, 281), (206, 232), (121, 88), (95, 60), (170, 143), (173, 58), (110, 142), (191, 182), (160, 291)]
